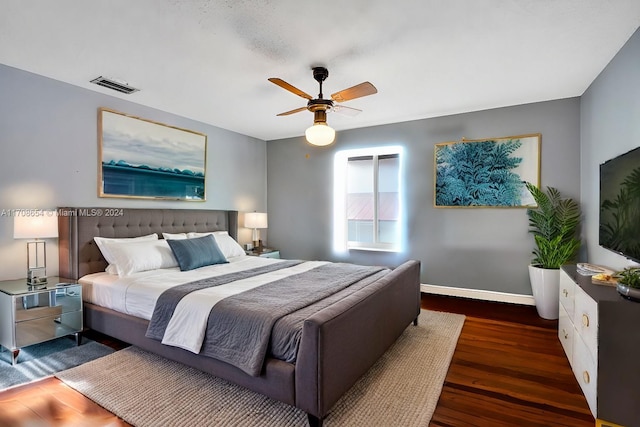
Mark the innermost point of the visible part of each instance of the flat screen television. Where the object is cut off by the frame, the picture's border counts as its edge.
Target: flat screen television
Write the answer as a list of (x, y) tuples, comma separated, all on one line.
[(620, 205)]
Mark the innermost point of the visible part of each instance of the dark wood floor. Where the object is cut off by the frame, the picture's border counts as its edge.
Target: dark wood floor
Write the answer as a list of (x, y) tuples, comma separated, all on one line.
[(50, 403), (508, 369)]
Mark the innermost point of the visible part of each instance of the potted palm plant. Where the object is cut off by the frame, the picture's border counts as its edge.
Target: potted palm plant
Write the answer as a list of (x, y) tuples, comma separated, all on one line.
[(555, 225)]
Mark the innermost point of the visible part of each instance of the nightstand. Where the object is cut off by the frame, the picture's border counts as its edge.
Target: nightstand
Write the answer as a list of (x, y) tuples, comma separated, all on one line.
[(266, 253), (30, 316)]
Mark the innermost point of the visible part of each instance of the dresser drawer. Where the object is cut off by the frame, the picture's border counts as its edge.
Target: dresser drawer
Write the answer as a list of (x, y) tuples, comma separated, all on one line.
[(603, 353), (566, 333), (45, 328), (37, 312), (585, 370), (585, 320), (48, 303), (567, 292)]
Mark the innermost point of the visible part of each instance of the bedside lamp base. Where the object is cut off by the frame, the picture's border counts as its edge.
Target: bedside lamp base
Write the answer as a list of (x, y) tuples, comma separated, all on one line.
[(36, 278)]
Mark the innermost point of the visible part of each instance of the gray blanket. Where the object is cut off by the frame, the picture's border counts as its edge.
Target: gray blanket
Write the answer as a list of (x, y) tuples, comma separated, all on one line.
[(239, 327), (169, 299), (287, 331)]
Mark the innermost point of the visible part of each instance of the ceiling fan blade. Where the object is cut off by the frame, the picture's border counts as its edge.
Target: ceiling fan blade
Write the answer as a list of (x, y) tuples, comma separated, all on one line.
[(346, 111), (289, 87), (297, 110), (357, 91)]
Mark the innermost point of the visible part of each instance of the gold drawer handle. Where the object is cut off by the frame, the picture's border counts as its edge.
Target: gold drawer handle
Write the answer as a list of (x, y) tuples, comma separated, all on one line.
[(585, 320), (585, 377), (565, 293)]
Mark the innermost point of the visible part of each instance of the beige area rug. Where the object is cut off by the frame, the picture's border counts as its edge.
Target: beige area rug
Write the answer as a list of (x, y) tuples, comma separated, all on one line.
[(401, 389)]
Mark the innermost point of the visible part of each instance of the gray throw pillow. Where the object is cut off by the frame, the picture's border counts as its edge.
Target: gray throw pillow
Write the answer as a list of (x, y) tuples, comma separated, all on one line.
[(198, 252)]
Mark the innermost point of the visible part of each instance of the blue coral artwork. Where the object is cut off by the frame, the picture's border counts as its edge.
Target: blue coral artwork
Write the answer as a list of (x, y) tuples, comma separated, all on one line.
[(487, 172), (140, 158)]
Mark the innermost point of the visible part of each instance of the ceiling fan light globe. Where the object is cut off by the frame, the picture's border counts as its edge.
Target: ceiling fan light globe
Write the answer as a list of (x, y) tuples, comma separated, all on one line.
[(320, 134)]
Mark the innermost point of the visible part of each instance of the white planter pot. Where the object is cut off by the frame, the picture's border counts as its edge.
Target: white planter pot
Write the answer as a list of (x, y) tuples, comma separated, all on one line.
[(545, 284)]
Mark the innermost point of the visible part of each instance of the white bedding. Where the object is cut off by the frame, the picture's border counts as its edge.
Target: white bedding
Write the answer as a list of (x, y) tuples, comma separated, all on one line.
[(136, 294)]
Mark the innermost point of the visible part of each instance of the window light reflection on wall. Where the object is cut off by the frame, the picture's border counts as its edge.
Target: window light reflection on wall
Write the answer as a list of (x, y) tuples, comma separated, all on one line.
[(394, 239)]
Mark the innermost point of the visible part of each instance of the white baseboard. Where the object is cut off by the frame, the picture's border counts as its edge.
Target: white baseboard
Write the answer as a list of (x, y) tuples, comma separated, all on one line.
[(478, 294)]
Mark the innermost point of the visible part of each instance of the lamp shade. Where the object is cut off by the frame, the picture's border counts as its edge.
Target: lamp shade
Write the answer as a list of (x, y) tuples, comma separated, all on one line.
[(255, 220), (320, 134), (35, 227)]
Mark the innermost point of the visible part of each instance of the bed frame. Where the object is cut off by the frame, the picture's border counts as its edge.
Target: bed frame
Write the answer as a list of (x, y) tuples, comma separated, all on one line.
[(338, 345)]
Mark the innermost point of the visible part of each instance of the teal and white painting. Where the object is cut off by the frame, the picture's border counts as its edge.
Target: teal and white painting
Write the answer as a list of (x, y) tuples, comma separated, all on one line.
[(487, 172), (144, 159)]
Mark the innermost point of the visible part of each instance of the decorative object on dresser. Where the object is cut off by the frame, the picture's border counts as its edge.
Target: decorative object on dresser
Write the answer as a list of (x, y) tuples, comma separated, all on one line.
[(596, 327), (599, 274), (38, 224), (587, 269), (256, 220), (629, 283), (604, 279), (31, 316), (555, 225)]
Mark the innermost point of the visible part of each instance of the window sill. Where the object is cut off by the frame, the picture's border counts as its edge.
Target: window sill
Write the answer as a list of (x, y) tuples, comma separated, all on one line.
[(370, 249)]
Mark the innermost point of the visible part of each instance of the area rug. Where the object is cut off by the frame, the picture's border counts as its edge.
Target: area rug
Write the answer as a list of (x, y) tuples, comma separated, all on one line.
[(44, 359), (401, 389)]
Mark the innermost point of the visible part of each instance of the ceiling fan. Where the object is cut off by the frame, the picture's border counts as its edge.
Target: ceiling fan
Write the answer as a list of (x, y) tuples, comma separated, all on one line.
[(320, 133)]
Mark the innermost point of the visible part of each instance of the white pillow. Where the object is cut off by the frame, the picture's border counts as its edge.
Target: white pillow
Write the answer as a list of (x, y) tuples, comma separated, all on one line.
[(141, 255), (228, 246), (174, 236), (194, 234), (112, 269), (103, 241)]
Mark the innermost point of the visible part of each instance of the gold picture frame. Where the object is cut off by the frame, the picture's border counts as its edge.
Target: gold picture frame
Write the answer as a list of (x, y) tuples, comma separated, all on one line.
[(143, 159), (486, 172)]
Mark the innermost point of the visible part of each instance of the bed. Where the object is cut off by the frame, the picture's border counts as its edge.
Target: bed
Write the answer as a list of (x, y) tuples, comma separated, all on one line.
[(338, 343)]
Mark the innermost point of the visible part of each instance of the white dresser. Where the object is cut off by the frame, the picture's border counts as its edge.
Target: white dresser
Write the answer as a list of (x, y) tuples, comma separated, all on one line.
[(600, 333)]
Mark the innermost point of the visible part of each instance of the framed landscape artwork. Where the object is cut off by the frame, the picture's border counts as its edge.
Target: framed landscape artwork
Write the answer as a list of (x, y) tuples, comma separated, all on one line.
[(140, 158), (487, 172)]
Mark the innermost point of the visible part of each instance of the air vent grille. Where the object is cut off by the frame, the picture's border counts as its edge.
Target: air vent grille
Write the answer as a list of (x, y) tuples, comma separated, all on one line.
[(119, 86)]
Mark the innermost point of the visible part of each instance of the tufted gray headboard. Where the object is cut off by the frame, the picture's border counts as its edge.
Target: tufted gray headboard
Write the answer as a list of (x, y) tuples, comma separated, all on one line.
[(79, 255)]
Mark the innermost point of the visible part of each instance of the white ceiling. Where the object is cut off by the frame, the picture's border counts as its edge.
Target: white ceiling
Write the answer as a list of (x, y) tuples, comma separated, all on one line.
[(209, 60)]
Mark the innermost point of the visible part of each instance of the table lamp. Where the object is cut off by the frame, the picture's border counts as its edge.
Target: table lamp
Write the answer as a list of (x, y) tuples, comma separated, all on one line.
[(36, 227), (256, 220)]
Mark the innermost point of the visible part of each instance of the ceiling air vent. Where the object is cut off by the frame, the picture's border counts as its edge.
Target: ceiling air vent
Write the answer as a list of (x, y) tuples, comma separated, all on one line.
[(120, 86)]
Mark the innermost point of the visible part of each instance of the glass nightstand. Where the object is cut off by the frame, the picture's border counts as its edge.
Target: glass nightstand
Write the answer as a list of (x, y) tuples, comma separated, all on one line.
[(265, 253), (30, 316)]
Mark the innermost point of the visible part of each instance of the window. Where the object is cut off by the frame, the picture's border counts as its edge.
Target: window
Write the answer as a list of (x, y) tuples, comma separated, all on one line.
[(367, 199)]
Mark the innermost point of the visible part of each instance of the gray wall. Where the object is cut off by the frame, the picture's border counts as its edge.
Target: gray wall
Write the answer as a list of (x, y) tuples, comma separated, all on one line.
[(610, 126), (480, 248), (48, 144), (49, 158)]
